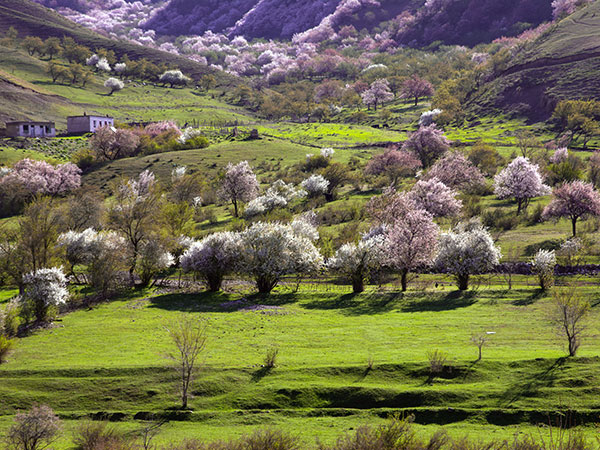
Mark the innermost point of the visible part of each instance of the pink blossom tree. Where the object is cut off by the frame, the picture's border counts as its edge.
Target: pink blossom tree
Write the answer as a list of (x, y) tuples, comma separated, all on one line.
[(393, 163), (436, 198), (411, 242), (574, 200), (416, 87), (386, 208), (428, 143), (456, 171), (520, 180), (40, 177), (378, 93), (239, 185)]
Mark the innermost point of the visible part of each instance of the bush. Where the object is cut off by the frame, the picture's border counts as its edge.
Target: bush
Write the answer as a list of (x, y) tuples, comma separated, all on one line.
[(437, 361), (101, 436), (270, 439), (6, 346), (500, 219), (33, 430), (271, 357), (9, 318), (314, 162)]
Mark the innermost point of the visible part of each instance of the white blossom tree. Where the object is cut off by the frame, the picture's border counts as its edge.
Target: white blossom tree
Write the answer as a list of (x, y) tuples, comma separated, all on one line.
[(174, 78), (315, 185), (357, 262), (153, 258), (44, 288), (114, 84), (270, 251), (239, 185), (212, 258), (542, 264), (522, 181), (467, 250)]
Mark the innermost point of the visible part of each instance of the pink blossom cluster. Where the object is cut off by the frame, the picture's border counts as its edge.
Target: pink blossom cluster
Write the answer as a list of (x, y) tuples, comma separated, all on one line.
[(40, 177)]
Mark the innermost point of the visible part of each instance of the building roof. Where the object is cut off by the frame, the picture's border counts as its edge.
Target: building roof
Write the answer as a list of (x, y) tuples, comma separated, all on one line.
[(90, 115), (28, 122)]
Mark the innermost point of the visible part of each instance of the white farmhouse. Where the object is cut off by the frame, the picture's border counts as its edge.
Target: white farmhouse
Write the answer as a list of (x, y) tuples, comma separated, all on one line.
[(88, 124), (30, 129)]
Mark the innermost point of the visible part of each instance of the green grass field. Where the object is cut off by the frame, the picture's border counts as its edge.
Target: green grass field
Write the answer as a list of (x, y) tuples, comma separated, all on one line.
[(111, 359)]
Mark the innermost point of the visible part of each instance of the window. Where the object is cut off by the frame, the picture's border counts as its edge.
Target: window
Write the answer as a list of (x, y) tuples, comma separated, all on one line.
[(94, 123), (25, 128), (47, 129)]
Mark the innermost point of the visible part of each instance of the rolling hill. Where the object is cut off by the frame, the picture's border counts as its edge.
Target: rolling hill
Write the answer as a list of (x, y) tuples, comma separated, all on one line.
[(32, 19), (561, 64)]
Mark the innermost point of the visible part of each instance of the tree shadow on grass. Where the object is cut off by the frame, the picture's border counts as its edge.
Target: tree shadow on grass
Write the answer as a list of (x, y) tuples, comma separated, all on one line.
[(261, 373), (218, 301), (450, 301), (530, 299), (358, 304), (196, 302), (531, 386)]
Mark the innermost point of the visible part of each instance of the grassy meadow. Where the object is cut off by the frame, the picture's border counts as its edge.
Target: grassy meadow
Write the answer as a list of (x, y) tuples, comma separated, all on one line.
[(109, 360)]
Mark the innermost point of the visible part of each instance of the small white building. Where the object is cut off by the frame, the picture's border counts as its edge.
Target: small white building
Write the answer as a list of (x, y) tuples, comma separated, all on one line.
[(88, 124), (30, 129)]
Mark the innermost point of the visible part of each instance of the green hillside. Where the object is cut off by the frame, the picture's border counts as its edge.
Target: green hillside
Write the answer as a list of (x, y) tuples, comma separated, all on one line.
[(32, 19), (561, 64)]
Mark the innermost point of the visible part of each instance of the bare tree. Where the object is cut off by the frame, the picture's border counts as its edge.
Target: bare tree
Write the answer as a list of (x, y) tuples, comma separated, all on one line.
[(149, 431), (33, 430), (480, 340), (569, 314), (189, 336)]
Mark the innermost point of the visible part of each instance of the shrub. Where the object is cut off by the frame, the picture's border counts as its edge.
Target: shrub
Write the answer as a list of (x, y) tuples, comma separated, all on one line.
[(101, 436), (271, 357), (33, 430), (542, 265), (6, 346), (270, 439), (45, 288), (9, 318), (437, 361)]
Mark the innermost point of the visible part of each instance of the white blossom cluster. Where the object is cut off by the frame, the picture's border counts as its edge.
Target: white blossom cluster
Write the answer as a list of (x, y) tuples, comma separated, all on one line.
[(468, 249), (82, 247), (177, 173), (277, 196), (543, 262), (360, 259), (47, 286), (428, 117), (189, 133), (315, 185)]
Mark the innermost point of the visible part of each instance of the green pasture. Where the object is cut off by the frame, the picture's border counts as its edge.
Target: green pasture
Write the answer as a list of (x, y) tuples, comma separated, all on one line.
[(111, 359)]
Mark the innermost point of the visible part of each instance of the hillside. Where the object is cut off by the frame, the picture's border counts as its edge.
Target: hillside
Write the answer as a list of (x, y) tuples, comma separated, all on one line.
[(561, 64), (32, 19), (409, 22)]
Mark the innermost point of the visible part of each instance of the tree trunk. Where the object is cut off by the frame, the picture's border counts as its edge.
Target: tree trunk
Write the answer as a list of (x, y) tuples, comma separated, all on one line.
[(574, 225), (264, 285), (416, 101), (463, 282), (519, 204), (214, 283), (403, 280), (358, 285), (235, 208)]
